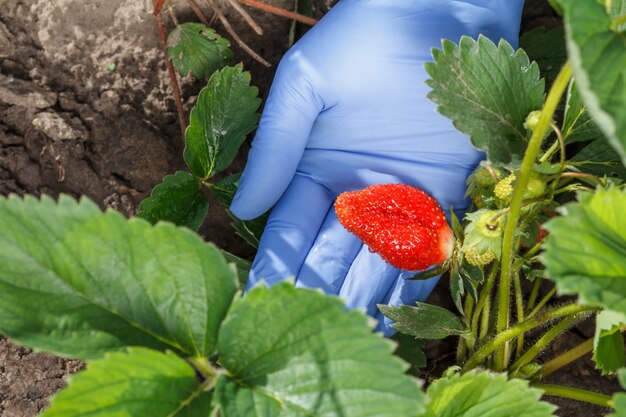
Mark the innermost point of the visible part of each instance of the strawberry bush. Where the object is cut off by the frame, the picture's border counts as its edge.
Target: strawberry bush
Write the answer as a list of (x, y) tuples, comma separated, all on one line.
[(158, 314)]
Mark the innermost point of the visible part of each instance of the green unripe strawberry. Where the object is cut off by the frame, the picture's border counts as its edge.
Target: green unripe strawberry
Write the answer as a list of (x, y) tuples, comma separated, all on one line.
[(483, 178), (536, 186)]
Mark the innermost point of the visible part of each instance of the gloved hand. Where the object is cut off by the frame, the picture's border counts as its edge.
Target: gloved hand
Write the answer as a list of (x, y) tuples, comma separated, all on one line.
[(348, 109)]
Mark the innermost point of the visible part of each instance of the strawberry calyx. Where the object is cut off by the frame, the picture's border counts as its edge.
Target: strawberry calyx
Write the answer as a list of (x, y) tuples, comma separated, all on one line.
[(483, 237)]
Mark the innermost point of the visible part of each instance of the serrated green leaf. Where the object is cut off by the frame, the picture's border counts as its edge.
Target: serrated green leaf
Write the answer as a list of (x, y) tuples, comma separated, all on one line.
[(78, 282), (487, 91), (619, 399), (456, 287), (600, 158), (224, 114), (197, 48), (608, 345), (296, 352), (577, 124), (585, 253), (411, 351), (225, 189), (241, 265), (249, 230), (471, 288), (178, 199), (617, 9), (484, 394), (598, 56), (426, 321), (141, 382), (547, 48), (556, 6)]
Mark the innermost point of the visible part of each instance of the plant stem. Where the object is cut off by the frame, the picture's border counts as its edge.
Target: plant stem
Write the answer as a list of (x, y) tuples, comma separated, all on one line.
[(541, 303), (519, 305), (544, 341), (485, 319), (582, 175), (503, 337), (202, 365), (618, 22), (534, 293), (575, 394), (280, 12), (566, 358), (463, 342), (534, 146), (483, 298)]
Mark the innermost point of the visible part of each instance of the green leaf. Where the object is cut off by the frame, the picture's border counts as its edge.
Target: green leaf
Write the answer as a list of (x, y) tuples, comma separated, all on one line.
[(225, 189), (141, 382), (608, 345), (457, 290), (78, 282), (599, 158), (197, 48), (425, 321), (296, 352), (598, 56), (224, 114), (547, 48), (585, 253), (411, 351), (483, 394), (249, 230), (617, 9), (577, 124), (241, 265), (556, 6), (178, 199), (619, 399), (487, 91)]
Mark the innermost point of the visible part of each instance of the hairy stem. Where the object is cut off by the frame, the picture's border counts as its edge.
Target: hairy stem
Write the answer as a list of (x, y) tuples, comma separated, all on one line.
[(503, 337), (541, 303), (483, 299), (519, 307), (202, 365), (534, 293), (485, 320), (575, 394), (534, 146), (566, 358), (463, 342), (545, 340)]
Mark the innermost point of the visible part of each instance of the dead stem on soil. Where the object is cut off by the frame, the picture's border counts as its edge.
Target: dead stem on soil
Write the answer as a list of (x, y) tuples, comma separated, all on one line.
[(231, 31), (170, 68), (280, 12)]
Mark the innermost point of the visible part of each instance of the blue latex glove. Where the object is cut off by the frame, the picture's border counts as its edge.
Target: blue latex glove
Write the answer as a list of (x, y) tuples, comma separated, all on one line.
[(348, 109)]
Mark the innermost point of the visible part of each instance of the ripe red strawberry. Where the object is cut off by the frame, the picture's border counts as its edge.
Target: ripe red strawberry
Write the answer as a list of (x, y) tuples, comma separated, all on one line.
[(401, 223)]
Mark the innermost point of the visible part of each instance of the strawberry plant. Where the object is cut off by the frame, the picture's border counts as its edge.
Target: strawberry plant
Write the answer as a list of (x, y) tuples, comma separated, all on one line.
[(158, 313)]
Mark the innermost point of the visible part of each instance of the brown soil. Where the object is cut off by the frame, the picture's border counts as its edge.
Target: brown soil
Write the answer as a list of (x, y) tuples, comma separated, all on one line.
[(86, 109)]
